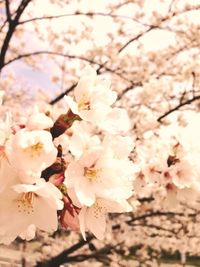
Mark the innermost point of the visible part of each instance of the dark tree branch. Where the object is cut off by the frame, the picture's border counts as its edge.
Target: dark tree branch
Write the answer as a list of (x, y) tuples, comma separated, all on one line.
[(43, 52), (158, 26), (3, 25), (171, 5), (135, 38), (60, 96), (101, 66), (89, 14), (157, 227), (102, 254), (7, 4), (13, 23), (187, 102), (63, 256)]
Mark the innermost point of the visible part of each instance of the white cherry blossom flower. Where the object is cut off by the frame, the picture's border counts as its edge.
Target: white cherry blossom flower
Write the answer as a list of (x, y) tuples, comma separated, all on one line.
[(94, 218), (92, 97), (29, 233), (98, 174), (82, 140), (23, 205), (31, 151), (39, 121)]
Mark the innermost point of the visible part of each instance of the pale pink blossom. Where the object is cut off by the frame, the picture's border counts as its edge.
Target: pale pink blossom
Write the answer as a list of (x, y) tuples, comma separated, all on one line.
[(27, 205), (82, 141), (39, 121), (92, 97), (99, 174), (31, 151), (94, 218)]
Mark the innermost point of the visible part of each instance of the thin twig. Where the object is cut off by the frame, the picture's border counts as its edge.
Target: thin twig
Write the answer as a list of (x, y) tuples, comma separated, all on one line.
[(187, 102)]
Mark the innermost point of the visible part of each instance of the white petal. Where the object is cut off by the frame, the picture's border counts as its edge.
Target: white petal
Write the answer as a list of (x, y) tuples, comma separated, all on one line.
[(81, 217)]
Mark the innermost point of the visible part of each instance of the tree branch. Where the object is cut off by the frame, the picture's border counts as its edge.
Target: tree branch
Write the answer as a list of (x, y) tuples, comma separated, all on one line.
[(89, 14), (63, 256), (49, 53), (60, 96), (187, 102), (11, 29), (7, 4), (158, 26), (91, 61)]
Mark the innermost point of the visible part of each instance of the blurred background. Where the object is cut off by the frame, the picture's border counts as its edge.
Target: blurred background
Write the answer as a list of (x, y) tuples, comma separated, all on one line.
[(150, 51)]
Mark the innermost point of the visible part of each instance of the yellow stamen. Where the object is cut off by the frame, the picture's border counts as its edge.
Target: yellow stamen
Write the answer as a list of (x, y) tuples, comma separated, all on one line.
[(91, 174), (25, 202), (98, 210), (84, 105), (34, 149)]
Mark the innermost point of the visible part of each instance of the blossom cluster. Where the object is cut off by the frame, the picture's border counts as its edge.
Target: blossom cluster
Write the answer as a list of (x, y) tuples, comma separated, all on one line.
[(169, 163), (72, 171)]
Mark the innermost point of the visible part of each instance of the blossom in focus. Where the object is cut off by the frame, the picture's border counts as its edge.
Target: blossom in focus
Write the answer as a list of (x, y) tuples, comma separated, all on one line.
[(29, 233), (92, 97), (31, 151), (82, 140), (94, 218), (26, 205), (98, 174), (39, 121)]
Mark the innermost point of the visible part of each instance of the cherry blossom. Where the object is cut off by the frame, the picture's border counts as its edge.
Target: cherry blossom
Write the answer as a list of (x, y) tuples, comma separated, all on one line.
[(85, 171), (31, 151), (93, 97), (99, 174), (82, 140), (39, 121), (27, 205), (94, 217)]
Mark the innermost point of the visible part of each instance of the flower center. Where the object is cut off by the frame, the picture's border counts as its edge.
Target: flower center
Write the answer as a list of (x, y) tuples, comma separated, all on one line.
[(84, 105), (34, 149), (25, 203), (91, 174)]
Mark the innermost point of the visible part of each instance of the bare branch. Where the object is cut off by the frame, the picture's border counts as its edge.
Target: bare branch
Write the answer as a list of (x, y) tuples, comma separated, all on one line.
[(7, 4), (91, 61), (89, 14), (12, 26), (3, 25), (171, 5), (49, 53), (187, 102), (135, 38), (59, 97), (158, 26), (63, 256)]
